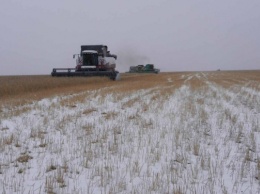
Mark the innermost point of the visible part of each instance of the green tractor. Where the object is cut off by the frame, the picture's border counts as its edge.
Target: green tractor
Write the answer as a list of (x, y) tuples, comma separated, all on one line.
[(148, 68)]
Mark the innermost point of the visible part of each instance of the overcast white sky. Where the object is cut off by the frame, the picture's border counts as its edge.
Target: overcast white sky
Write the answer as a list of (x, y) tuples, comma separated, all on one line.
[(175, 35)]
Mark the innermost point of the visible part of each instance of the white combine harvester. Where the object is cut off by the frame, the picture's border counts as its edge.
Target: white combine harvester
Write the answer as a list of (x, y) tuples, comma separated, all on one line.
[(93, 60)]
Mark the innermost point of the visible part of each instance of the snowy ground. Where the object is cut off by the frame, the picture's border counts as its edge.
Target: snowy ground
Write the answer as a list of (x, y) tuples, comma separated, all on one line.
[(171, 138)]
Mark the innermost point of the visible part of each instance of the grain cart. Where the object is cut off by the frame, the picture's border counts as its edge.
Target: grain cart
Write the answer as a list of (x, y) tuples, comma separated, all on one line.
[(93, 60), (148, 68)]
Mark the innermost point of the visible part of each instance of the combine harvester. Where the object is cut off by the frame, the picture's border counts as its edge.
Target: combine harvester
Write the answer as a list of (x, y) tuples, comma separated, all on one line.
[(148, 68), (93, 60)]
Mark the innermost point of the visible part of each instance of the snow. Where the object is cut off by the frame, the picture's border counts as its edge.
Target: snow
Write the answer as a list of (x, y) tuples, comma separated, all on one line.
[(158, 140)]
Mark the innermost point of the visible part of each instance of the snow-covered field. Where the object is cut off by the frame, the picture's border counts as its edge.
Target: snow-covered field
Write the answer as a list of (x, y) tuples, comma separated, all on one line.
[(196, 133)]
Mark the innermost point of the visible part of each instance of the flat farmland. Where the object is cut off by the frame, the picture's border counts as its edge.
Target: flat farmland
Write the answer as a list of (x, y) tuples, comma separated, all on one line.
[(183, 132)]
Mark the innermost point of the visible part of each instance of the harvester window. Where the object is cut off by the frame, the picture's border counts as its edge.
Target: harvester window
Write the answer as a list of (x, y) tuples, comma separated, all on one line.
[(90, 59), (87, 59)]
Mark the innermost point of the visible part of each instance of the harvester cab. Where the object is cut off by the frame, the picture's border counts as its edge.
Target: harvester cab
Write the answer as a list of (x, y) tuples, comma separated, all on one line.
[(93, 60), (149, 67), (87, 59)]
